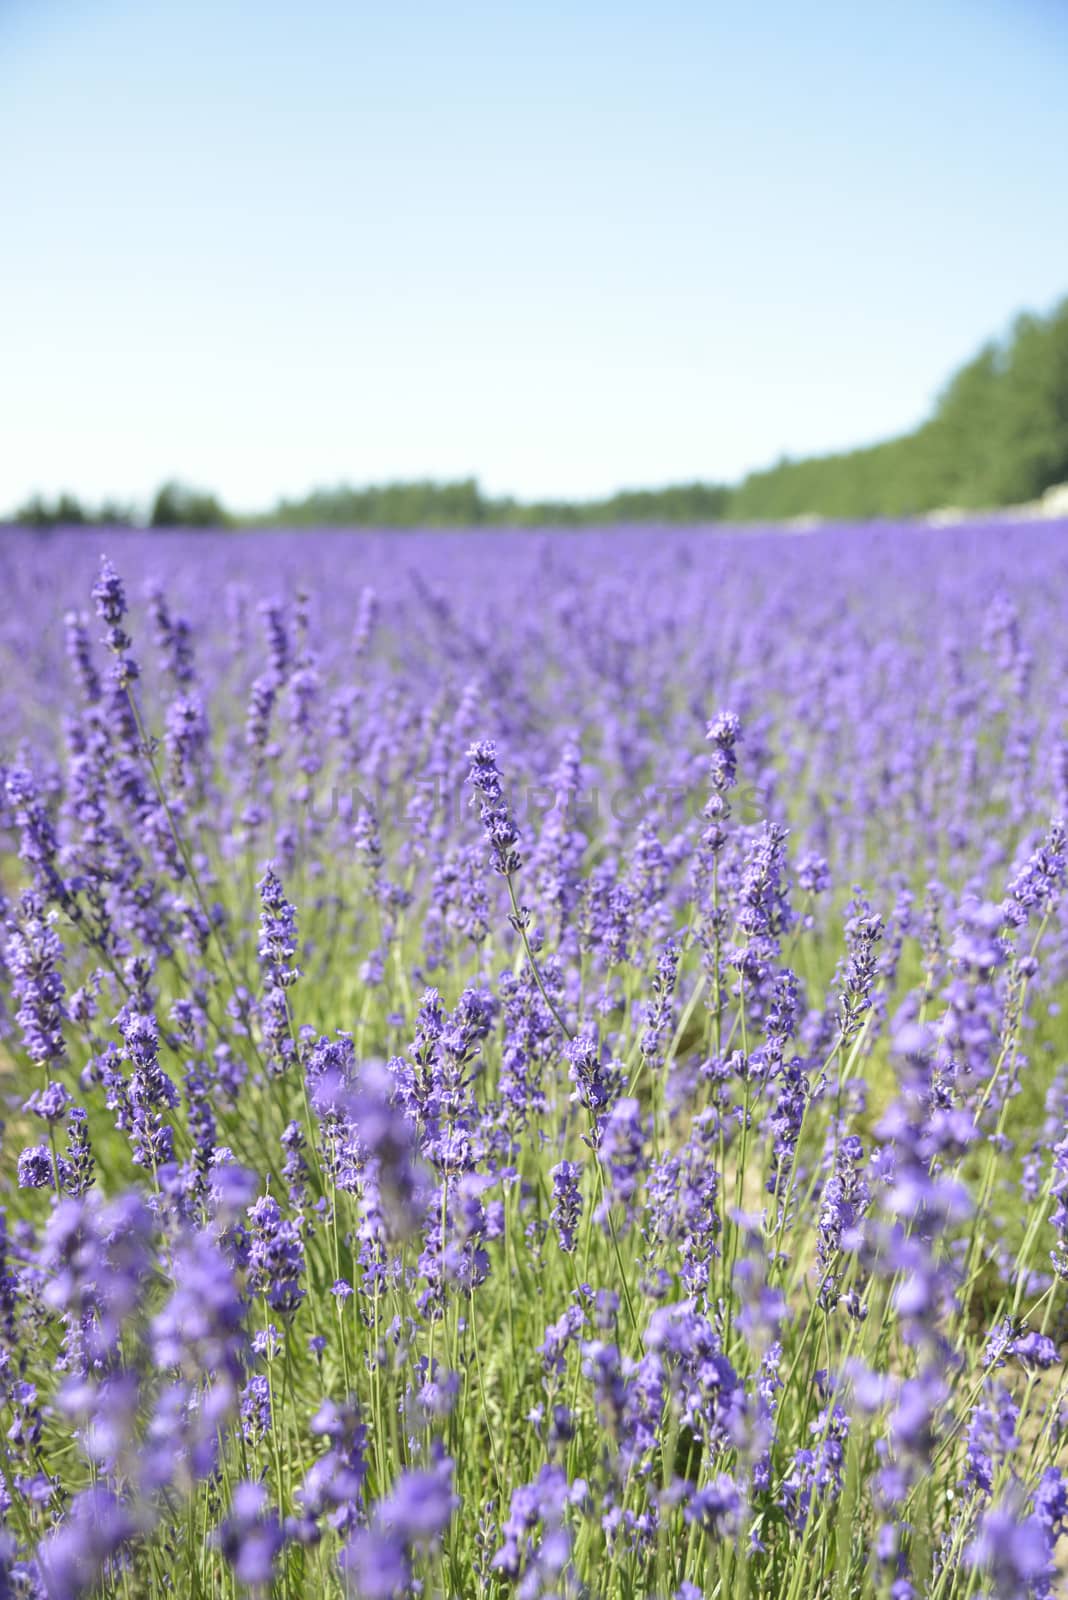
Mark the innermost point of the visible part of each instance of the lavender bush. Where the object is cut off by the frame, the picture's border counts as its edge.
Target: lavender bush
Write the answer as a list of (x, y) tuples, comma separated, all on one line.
[(534, 1065)]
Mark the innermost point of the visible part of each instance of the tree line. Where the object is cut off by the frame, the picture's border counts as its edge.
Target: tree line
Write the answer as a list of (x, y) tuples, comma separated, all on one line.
[(997, 436), (174, 506)]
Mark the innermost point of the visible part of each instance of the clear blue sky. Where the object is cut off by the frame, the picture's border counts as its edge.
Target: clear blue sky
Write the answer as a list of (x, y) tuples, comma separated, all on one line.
[(564, 247)]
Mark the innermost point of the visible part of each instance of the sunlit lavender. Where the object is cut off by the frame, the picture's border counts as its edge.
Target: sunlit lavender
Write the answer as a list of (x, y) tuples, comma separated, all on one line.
[(534, 1065)]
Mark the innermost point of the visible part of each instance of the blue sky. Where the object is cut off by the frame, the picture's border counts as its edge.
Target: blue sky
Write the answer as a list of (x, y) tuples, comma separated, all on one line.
[(562, 247)]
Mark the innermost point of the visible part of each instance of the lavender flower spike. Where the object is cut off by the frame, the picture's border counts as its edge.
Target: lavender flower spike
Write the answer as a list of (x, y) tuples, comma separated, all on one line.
[(501, 831)]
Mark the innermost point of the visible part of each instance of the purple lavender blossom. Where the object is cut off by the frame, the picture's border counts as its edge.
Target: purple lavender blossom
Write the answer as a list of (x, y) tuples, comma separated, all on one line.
[(592, 1079), (334, 1483), (36, 1170), (79, 1552), (34, 958), (200, 1329), (251, 1537), (822, 1159), (277, 947), (1013, 1551), (621, 1147), (276, 1257), (567, 1202), (500, 829)]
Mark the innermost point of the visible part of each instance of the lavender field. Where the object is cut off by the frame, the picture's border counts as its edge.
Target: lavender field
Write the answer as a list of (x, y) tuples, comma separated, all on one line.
[(534, 1065)]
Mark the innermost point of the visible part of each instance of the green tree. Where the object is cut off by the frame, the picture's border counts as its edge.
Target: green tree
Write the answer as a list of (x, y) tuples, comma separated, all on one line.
[(998, 435), (177, 506)]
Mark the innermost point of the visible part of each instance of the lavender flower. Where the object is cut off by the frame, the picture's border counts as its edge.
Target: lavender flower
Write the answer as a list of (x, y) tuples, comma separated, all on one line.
[(1012, 1551), (845, 1200), (109, 597), (251, 1536), (277, 947), (567, 1203), (35, 1167), (500, 829), (80, 1551), (591, 1077), (34, 957), (95, 1256), (334, 1484), (621, 1147), (864, 929), (200, 1330), (817, 1152), (256, 1409), (276, 1257)]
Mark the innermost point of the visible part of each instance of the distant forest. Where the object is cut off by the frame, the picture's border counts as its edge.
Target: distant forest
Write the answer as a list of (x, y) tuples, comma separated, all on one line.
[(998, 436)]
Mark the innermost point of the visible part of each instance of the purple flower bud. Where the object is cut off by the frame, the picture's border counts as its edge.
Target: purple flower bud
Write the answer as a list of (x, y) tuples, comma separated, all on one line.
[(567, 1202)]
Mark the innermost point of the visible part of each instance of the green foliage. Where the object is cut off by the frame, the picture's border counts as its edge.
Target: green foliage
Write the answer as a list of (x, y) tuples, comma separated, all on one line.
[(177, 506), (68, 512), (390, 505), (998, 436), (462, 504)]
